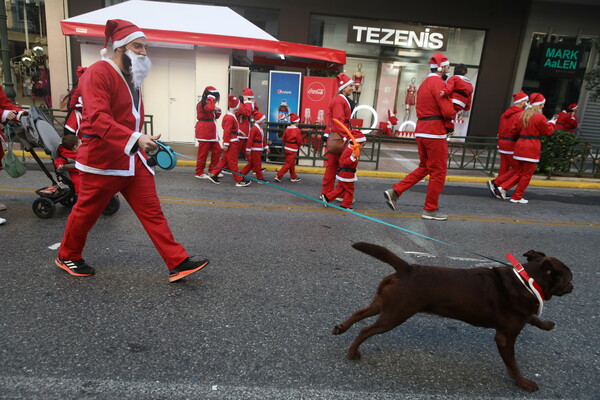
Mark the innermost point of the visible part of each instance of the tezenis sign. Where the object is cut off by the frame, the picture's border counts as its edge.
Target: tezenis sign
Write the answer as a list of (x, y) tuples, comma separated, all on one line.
[(405, 36), (562, 60)]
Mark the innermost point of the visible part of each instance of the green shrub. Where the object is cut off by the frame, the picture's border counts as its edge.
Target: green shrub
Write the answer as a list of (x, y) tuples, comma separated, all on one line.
[(556, 152)]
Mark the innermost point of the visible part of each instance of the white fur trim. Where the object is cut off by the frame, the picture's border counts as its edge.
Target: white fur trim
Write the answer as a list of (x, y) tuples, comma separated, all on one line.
[(260, 120), (345, 84), (460, 103), (129, 38), (537, 103), (520, 100)]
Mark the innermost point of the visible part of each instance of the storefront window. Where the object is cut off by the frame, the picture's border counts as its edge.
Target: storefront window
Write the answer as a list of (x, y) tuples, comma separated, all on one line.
[(394, 58)]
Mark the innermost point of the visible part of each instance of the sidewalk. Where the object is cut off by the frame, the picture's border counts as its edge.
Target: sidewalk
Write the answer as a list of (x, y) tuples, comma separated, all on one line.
[(396, 168)]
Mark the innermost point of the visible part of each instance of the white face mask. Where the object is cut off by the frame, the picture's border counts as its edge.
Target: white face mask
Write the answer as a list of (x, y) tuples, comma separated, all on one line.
[(140, 67)]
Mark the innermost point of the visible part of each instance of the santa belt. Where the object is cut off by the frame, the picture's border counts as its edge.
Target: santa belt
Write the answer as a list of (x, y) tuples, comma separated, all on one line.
[(432, 118), (257, 141), (530, 137), (88, 136), (346, 169), (206, 120), (510, 139)]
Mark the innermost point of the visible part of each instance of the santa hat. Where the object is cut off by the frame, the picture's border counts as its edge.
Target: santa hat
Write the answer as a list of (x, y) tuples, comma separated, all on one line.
[(211, 89), (258, 117), (80, 70), (232, 102), (247, 92), (294, 118), (572, 107), (536, 99), (120, 32), (358, 136), (519, 97), (438, 60), (343, 81)]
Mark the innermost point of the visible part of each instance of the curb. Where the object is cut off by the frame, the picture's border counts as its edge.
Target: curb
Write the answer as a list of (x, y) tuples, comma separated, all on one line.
[(573, 183)]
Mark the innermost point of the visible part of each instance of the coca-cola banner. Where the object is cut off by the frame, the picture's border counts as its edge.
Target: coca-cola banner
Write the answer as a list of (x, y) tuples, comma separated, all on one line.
[(284, 98), (317, 93)]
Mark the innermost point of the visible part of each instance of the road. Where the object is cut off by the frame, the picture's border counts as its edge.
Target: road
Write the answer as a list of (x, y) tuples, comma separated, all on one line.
[(256, 324)]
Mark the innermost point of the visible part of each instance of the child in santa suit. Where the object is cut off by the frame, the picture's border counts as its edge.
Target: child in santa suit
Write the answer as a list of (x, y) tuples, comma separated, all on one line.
[(256, 144), (508, 133), (292, 140), (567, 119), (244, 114), (346, 173), (229, 159), (527, 149), (207, 137), (65, 160), (460, 90)]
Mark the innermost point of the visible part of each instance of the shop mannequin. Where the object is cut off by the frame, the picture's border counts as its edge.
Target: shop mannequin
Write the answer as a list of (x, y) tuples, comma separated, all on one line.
[(358, 79), (410, 100)]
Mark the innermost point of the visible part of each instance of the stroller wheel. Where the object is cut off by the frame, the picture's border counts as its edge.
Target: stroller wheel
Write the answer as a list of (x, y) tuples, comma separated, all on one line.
[(113, 206), (43, 208), (69, 201)]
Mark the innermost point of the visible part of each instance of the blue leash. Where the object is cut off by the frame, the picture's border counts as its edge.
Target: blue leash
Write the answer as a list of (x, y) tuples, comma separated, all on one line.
[(360, 215)]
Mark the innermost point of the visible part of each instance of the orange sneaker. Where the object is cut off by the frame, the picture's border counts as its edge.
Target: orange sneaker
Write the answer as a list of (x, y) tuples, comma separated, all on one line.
[(75, 268), (187, 267)]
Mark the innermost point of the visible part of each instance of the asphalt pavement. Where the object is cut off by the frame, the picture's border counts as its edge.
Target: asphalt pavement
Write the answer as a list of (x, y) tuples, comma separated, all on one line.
[(256, 323)]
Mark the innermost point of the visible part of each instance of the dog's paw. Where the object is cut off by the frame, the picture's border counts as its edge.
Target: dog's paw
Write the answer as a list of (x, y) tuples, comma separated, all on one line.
[(353, 355), (338, 330), (547, 325), (527, 384)]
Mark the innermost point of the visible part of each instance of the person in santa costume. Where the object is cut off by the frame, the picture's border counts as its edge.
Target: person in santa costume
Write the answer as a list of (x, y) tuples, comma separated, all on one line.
[(292, 140), (508, 132), (8, 112), (434, 114), (207, 137), (244, 115), (66, 157), (567, 119), (460, 90), (256, 144), (346, 173), (528, 149), (112, 156), (229, 159), (73, 118), (340, 108)]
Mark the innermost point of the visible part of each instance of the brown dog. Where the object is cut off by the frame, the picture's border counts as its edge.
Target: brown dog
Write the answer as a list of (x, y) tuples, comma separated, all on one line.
[(488, 297)]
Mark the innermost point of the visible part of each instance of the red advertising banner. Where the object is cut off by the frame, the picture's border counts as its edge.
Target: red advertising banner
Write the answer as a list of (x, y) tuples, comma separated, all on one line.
[(317, 92)]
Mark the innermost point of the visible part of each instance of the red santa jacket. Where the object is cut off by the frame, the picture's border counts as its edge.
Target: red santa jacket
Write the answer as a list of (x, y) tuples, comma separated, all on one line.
[(340, 108), (348, 164), (231, 128), (7, 106), (292, 138), (432, 109), (257, 141), (110, 123), (244, 113), (509, 129), (528, 146), (206, 127), (460, 91), (73, 122), (566, 122), (65, 156)]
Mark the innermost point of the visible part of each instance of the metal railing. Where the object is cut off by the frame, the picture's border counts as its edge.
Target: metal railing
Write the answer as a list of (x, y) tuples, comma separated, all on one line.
[(473, 153)]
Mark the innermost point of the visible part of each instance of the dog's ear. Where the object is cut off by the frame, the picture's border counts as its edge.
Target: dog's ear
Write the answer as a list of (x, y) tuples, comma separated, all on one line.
[(532, 255)]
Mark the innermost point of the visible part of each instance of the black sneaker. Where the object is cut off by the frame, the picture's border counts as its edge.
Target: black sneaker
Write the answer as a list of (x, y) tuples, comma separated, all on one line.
[(295, 179), (243, 183), (214, 179), (276, 179), (493, 189), (75, 268), (325, 200), (187, 267)]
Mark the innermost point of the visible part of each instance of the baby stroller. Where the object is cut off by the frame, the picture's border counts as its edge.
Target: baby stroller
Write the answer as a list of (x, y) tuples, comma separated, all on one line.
[(36, 131)]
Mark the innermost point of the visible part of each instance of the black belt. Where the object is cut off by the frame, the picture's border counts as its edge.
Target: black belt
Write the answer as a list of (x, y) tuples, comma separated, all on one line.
[(206, 120), (257, 141), (508, 138), (530, 137), (432, 118), (346, 169), (87, 136)]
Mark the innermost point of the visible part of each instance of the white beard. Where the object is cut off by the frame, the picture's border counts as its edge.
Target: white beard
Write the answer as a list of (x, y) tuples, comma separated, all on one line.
[(140, 66)]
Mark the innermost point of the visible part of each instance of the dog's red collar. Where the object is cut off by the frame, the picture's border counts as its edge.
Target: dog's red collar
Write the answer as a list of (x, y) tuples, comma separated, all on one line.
[(528, 281)]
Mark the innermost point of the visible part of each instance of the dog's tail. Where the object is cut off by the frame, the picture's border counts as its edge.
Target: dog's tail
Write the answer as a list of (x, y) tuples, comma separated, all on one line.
[(382, 254)]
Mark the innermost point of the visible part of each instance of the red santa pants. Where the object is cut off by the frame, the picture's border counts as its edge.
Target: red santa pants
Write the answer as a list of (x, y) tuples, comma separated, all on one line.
[(95, 192), (75, 178), (433, 154), (203, 149), (520, 176), (344, 190), (506, 164), (229, 161), (331, 166), (290, 164), (254, 164)]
